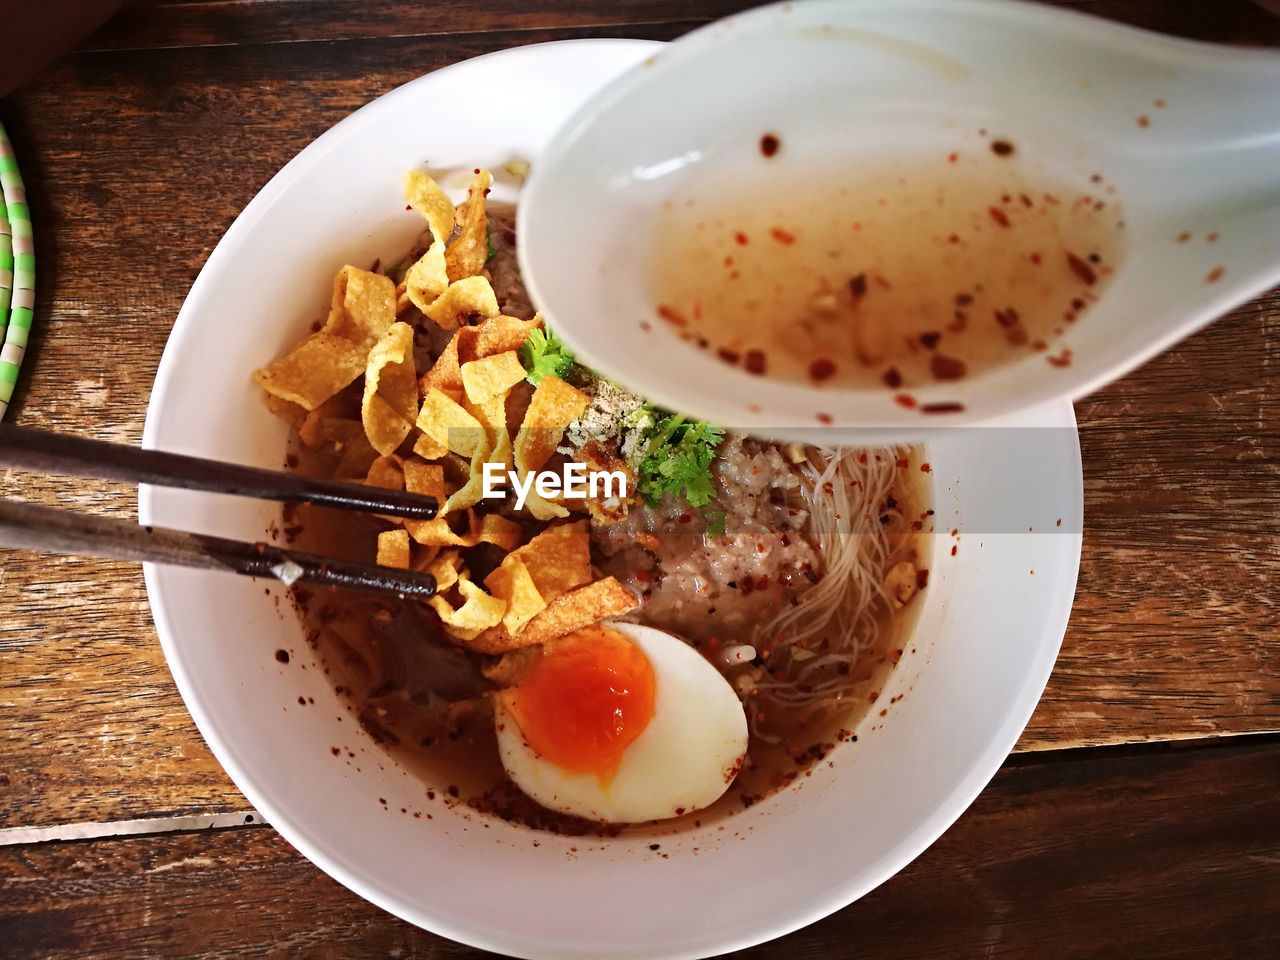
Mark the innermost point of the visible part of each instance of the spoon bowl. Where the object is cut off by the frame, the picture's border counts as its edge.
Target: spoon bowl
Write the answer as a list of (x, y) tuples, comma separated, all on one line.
[(1185, 136)]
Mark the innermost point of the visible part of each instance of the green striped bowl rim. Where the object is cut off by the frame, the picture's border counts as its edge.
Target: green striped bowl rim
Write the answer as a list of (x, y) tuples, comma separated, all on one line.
[(17, 271)]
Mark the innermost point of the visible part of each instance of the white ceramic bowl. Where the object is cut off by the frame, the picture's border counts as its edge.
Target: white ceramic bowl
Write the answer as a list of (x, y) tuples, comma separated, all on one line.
[(1184, 131), (988, 633)]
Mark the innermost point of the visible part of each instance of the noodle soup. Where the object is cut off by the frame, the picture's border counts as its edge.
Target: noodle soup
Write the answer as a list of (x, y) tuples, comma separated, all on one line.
[(769, 588)]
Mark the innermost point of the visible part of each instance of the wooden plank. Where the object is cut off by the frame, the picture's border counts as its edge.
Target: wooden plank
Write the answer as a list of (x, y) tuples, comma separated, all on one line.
[(1157, 853), (138, 162), (180, 23)]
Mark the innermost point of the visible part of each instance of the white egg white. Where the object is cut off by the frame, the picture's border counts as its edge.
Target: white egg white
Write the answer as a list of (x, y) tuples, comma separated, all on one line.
[(684, 760)]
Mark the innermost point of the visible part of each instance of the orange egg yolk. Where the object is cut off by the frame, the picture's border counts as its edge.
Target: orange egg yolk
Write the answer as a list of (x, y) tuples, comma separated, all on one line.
[(585, 701)]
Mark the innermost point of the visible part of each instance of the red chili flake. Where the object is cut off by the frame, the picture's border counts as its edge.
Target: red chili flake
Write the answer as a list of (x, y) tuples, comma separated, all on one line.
[(1215, 275), (1059, 523), (821, 369), (1063, 359), (672, 315), (892, 379), (905, 400), (740, 238), (1081, 269), (728, 356), (1077, 304), (1184, 236), (930, 339), (922, 579), (953, 550), (1039, 345), (1007, 318), (901, 463), (697, 309), (782, 236), (291, 461), (1026, 201), (952, 157), (858, 286), (862, 458), (925, 468), (684, 518), (315, 326), (1210, 238), (946, 368), (1037, 259), (769, 144), (964, 299), (754, 362), (1159, 103), (882, 282), (942, 408), (999, 216), (646, 326), (954, 238), (1144, 121), (1002, 148), (753, 408)]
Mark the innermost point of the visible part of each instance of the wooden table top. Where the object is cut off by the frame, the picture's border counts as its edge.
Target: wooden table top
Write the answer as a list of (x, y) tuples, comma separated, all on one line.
[(1140, 815)]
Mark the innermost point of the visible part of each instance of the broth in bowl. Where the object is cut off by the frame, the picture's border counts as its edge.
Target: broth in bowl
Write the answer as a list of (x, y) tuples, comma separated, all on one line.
[(665, 650)]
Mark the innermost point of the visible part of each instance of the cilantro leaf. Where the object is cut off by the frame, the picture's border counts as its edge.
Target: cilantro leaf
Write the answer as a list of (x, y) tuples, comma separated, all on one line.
[(677, 461), (544, 354)]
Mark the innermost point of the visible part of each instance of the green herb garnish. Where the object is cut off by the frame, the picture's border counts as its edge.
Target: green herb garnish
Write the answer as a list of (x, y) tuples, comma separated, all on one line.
[(677, 461), (715, 521), (488, 239), (544, 354)]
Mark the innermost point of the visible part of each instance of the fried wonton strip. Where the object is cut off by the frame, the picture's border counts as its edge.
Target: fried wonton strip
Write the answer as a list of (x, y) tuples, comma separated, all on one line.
[(318, 367), (498, 530), (492, 528), (449, 424), (488, 377), (478, 613), (496, 335), (568, 612), (492, 415), (387, 473), (287, 411), (513, 583), (426, 280), (425, 196), (446, 568), (424, 478), (543, 509), (390, 403), (469, 494), (393, 549), (364, 305), (465, 301), (559, 558), (554, 562), (554, 406), (467, 252)]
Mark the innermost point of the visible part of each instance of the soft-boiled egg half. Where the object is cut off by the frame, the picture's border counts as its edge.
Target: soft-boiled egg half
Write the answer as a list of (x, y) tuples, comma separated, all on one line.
[(622, 723)]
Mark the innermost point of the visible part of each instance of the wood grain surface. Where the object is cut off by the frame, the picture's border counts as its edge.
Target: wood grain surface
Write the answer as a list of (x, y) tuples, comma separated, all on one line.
[(1100, 856), (140, 149), (138, 161)]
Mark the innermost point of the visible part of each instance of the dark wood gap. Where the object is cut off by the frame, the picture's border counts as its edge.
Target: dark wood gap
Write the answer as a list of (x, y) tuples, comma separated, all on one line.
[(189, 24)]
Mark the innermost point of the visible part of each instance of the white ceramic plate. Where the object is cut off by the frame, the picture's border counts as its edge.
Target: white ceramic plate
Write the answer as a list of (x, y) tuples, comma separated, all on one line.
[(988, 634)]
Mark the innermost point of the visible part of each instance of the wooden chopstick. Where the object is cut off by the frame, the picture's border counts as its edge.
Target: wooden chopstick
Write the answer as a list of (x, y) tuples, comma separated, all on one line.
[(51, 530), (47, 452)]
